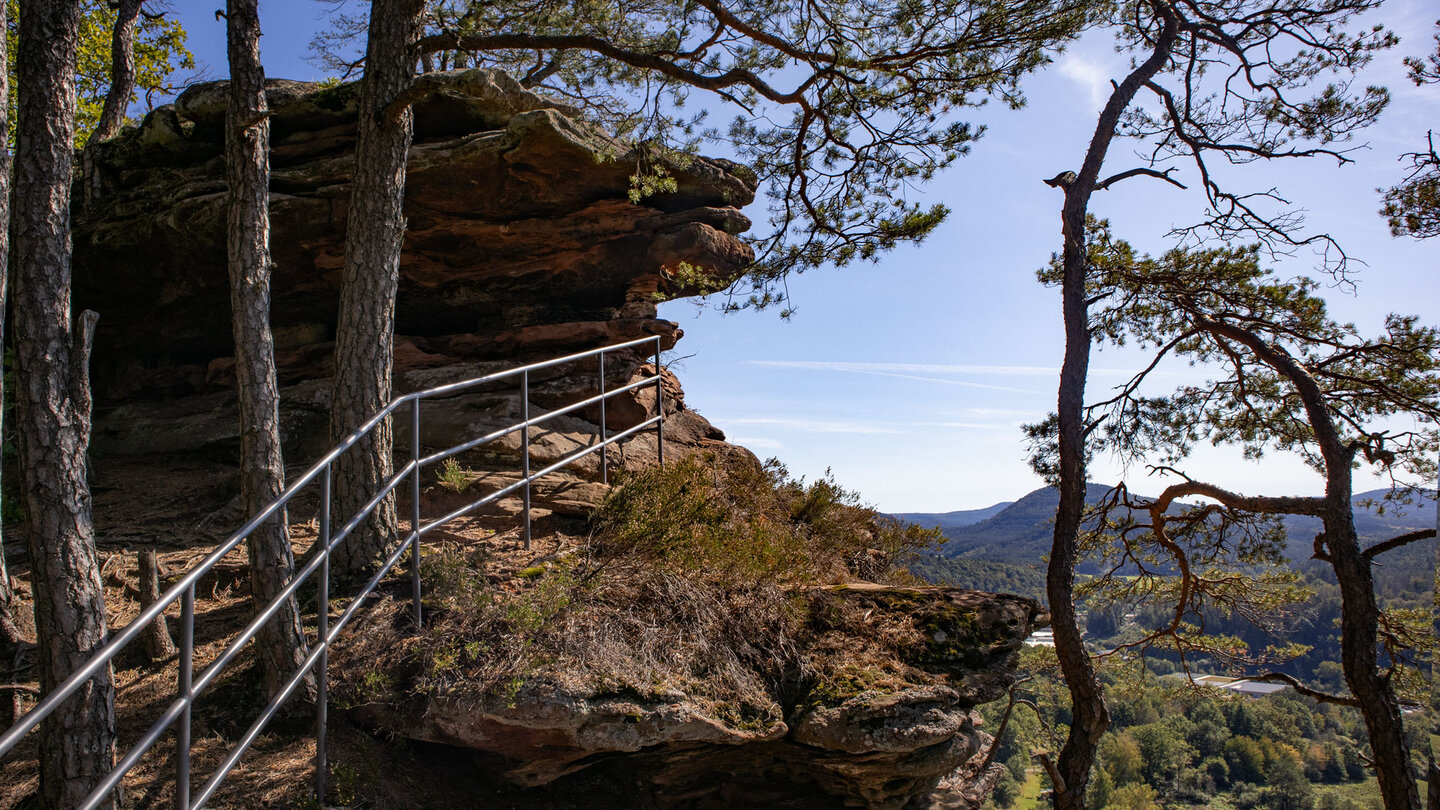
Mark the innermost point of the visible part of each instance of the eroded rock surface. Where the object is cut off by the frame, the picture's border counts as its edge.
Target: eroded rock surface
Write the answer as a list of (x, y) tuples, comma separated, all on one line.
[(523, 243), (885, 717)]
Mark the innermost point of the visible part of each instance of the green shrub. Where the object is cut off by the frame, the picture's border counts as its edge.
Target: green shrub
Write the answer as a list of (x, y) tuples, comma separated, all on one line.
[(741, 523), (452, 476)]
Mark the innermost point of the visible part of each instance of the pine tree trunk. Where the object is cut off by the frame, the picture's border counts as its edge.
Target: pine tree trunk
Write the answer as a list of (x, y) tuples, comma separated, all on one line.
[(122, 71), (1432, 776), (9, 627), (365, 335), (1087, 697), (281, 644), (53, 408), (1359, 623), (1359, 612)]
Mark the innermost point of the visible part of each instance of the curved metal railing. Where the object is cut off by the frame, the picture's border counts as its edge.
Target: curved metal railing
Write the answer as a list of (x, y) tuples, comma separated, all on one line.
[(189, 686)]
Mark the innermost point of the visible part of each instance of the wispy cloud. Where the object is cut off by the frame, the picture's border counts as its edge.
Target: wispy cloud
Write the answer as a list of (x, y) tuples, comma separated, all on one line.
[(1000, 412), (924, 372), (852, 426), (943, 372), (1090, 75), (813, 425), (921, 368), (757, 442)]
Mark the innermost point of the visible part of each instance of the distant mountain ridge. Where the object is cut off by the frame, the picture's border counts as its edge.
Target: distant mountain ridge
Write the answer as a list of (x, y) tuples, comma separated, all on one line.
[(952, 520), (1019, 530)]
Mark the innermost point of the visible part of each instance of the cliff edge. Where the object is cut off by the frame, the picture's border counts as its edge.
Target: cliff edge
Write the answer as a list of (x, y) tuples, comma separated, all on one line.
[(706, 649)]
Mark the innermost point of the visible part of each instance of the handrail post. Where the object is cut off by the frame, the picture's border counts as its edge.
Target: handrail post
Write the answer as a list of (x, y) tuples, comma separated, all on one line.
[(187, 677), (415, 511), (659, 407), (604, 450), (322, 637), (525, 447)]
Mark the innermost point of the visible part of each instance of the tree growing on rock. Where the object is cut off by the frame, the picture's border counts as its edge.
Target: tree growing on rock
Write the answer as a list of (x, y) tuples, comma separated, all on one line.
[(1221, 90), (1289, 378), (122, 70), (124, 51)]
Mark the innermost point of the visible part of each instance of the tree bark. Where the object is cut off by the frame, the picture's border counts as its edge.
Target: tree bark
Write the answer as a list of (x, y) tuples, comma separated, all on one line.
[(122, 71), (53, 408), (1359, 622), (280, 645), (158, 645), (9, 627), (1359, 611), (365, 335), (1087, 697)]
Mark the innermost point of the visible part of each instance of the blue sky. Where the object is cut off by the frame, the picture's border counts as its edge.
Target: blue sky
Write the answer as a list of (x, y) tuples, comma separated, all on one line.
[(909, 379)]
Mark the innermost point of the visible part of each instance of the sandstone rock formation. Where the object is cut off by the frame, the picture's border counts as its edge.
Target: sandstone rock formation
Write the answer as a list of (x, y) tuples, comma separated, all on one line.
[(884, 720), (523, 243)]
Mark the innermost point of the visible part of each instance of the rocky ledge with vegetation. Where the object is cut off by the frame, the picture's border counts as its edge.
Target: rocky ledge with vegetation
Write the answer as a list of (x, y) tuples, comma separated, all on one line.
[(716, 633), (720, 634)]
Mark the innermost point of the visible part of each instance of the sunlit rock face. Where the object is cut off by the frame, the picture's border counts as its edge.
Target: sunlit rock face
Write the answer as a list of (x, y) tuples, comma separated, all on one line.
[(523, 242), (879, 712)]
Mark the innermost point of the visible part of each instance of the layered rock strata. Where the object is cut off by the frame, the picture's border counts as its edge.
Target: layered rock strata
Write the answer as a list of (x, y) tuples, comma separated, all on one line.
[(885, 718), (523, 242)]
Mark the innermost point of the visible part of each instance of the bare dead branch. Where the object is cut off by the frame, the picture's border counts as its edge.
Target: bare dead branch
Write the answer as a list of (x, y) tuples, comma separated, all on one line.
[(1139, 172), (1396, 542)]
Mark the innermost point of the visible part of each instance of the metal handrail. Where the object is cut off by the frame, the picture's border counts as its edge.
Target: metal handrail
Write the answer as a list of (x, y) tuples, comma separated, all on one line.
[(189, 687)]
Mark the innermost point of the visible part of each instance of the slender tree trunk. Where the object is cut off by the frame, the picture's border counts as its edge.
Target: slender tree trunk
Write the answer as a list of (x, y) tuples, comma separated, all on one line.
[(122, 71), (9, 627), (1071, 772), (374, 228), (1359, 620), (1359, 612), (53, 408), (281, 644), (117, 98), (1087, 698)]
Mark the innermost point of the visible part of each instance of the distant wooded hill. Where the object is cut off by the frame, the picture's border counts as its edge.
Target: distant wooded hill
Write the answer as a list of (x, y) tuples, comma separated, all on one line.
[(1003, 547)]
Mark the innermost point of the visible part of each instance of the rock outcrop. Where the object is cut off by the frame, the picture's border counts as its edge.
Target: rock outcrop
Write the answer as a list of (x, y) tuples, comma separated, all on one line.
[(523, 242), (885, 717)]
